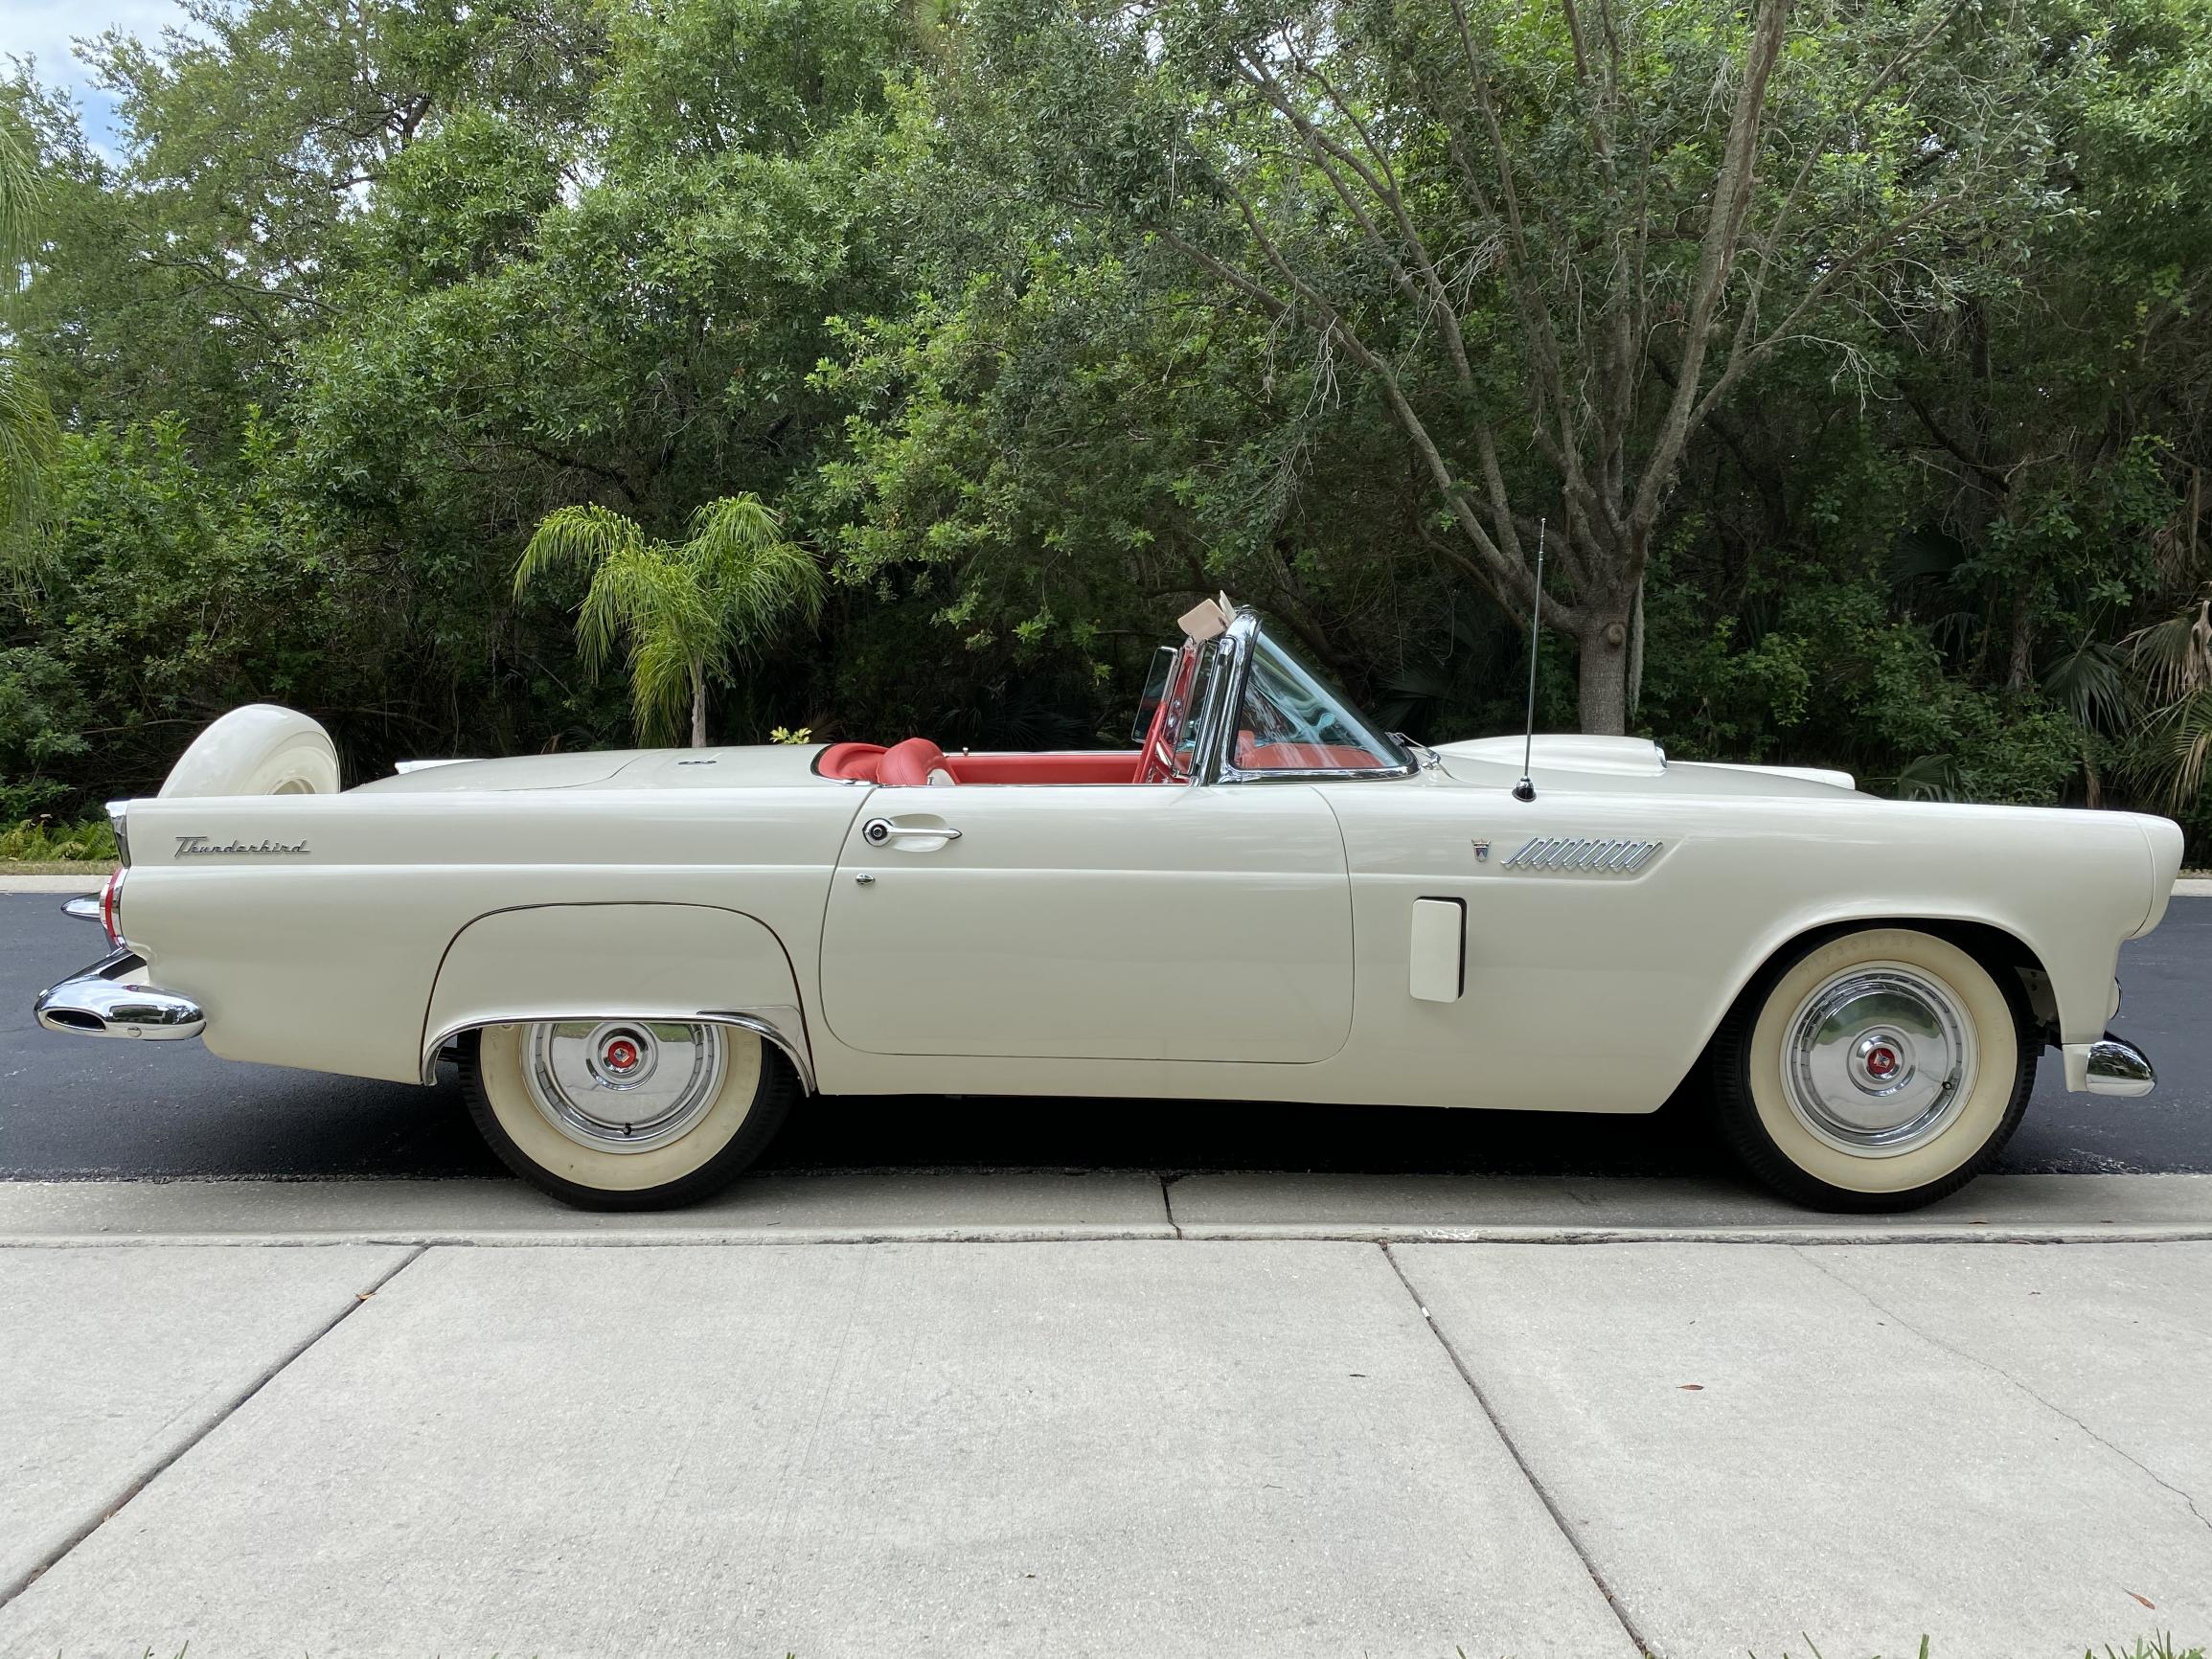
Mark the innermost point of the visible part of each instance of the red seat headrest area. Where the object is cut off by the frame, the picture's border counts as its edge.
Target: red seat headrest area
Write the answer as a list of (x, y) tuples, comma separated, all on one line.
[(857, 761), (909, 763)]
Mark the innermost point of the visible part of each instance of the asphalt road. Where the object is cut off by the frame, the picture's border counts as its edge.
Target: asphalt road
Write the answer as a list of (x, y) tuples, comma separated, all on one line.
[(71, 1108)]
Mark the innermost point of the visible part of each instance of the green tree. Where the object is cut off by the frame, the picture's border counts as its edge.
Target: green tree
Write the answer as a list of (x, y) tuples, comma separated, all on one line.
[(969, 294), (27, 428), (1554, 245), (686, 612)]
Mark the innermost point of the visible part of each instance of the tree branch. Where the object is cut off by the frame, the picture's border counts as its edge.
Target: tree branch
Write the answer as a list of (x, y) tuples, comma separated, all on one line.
[(1716, 255)]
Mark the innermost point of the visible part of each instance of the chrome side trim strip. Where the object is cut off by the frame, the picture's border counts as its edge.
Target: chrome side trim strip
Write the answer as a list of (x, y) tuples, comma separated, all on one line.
[(769, 1033), (758, 1021)]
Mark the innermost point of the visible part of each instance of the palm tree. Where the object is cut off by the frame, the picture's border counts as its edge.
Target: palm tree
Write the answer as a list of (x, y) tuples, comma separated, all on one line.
[(689, 611), (27, 428), (2176, 739)]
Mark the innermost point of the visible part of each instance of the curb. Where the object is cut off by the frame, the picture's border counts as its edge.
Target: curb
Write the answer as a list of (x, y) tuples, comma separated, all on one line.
[(1016, 1207), (1804, 1238)]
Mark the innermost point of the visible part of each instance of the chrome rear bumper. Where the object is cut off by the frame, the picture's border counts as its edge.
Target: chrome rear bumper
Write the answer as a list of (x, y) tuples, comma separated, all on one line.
[(102, 1002), (2107, 1066)]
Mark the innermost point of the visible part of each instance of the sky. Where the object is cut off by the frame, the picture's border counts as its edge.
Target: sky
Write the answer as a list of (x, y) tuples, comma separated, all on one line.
[(43, 29)]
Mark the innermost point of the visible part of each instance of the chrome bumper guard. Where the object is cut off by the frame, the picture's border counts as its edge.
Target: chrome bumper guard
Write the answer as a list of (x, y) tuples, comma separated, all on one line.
[(102, 1002), (2107, 1066)]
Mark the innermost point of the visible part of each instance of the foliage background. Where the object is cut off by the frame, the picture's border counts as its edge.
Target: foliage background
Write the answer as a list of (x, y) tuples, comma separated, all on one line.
[(373, 287)]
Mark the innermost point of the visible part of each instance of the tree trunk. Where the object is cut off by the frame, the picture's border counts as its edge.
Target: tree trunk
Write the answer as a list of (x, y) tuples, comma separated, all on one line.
[(1605, 670), (2020, 671), (698, 706), (1636, 653)]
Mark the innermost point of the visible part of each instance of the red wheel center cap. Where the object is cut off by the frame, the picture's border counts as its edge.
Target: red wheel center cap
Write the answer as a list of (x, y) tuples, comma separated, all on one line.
[(621, 1055), (1882, 1062)]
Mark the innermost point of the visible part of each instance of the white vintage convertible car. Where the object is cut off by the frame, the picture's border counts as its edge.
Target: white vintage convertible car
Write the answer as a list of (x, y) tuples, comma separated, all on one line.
[(640, 959)]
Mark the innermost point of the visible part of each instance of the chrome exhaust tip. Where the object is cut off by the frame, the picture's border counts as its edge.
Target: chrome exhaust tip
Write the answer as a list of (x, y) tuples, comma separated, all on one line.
[(101, 1002)]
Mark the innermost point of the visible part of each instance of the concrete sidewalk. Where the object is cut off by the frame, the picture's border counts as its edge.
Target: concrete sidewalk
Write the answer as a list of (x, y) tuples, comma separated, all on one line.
[(1091, 1435)]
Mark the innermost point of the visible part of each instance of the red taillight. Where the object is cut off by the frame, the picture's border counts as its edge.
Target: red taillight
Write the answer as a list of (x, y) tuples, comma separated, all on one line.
[(111, 908)]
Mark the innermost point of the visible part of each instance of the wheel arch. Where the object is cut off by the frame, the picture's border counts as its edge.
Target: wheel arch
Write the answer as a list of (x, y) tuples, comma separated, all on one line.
[(677, 962), (2011, 960)]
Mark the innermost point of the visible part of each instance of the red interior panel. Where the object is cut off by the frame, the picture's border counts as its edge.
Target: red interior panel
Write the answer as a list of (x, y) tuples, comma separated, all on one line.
[(912, 761), (1087, 766), (1304, 758)]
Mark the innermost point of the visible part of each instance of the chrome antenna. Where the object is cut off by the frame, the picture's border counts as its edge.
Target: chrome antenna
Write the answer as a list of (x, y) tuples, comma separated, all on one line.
[(1525, 789)]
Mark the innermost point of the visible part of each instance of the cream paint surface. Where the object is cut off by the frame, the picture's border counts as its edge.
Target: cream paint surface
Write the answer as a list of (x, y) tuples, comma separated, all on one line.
[(1595, 989), (1094, 923)]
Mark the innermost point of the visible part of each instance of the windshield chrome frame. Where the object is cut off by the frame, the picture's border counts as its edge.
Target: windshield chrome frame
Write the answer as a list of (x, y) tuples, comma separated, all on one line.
[(1226, 695)]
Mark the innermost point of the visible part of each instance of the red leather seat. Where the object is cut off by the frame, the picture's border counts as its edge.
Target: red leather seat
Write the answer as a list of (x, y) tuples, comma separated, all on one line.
[(910, 762), (856, 760)]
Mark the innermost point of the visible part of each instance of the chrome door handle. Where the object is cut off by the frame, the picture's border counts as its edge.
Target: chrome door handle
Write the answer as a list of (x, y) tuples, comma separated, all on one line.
[(878, 830)]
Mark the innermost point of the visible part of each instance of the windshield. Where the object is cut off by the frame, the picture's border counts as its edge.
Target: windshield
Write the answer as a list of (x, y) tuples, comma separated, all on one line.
[(1292, 719)]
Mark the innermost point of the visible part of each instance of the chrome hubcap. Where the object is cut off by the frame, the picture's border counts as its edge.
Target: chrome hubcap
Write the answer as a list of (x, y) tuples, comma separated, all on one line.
[(1878, 1061), (624, 1085)]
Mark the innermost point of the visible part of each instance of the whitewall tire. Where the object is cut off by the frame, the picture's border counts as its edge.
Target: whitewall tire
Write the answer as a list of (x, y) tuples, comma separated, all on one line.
[(626, 1114), (1873, 1070)]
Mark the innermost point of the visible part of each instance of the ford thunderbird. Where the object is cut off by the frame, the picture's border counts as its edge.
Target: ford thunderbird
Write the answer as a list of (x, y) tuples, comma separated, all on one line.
[(641, 961)]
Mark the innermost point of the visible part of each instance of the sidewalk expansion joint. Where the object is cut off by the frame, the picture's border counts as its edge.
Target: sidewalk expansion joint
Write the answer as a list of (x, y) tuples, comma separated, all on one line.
[(1168, 1202), (9, 1590), (1528, 1474), (2003, 1376)]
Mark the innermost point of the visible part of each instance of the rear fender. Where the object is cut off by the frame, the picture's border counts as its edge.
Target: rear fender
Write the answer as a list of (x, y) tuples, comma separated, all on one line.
[(673, 961)]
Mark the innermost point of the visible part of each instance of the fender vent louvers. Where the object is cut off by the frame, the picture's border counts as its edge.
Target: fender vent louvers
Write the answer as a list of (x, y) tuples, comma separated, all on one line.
[(1576, 856)]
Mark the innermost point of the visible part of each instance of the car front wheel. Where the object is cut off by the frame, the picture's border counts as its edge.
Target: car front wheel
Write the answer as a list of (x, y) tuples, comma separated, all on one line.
[(1875, 1070), (626, 1114)]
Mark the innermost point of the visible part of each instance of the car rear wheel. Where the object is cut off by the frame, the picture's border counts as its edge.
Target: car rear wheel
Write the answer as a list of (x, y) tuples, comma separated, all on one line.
[(1875, 1070), (626, 1114)]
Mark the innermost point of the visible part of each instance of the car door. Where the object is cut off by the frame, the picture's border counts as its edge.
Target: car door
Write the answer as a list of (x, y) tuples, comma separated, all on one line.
[(1092, 921)]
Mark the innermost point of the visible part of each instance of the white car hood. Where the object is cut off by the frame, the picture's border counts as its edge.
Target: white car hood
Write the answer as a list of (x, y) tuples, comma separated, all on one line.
[(1593, 763), (1572, 752)]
